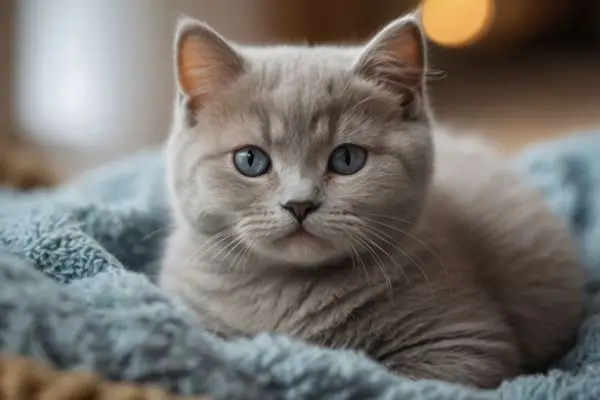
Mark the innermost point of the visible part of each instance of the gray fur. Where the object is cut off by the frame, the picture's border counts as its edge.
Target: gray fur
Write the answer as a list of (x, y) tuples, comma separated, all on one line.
[(457, 272)]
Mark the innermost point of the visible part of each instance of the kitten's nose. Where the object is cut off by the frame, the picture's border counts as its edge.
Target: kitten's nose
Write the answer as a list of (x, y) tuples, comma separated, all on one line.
[(300, 209)]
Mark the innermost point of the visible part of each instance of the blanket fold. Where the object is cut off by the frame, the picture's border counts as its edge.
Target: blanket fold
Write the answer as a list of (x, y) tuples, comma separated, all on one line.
[(77, 266)]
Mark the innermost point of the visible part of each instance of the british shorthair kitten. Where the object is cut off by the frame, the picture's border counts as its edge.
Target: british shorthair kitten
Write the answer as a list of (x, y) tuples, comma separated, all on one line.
[(313, 195)]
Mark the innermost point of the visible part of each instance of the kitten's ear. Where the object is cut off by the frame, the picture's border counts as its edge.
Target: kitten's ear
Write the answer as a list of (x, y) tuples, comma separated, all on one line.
[(396, 57), (205, 63)]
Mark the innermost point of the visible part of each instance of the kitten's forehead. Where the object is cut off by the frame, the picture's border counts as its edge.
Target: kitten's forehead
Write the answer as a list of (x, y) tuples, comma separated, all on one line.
[(300, 60), (299, 102), (301, 69), (298, 91)]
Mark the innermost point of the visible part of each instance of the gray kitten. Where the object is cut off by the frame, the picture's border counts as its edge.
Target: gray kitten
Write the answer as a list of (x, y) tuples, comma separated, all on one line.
[(314, 196)]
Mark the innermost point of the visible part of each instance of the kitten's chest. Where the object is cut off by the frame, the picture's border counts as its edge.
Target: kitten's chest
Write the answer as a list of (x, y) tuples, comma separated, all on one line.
[(304, 307)]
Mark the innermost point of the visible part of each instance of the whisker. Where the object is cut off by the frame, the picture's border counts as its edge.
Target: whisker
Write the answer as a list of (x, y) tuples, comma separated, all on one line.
[(232, 244), (358, 257), (396, 263), (397, 219), (247, 251), (378, 261), (387, 239), (411, 236), (210, 242), (160, 230), (239, 243), (360, 103), (241, 256), (192, 257)]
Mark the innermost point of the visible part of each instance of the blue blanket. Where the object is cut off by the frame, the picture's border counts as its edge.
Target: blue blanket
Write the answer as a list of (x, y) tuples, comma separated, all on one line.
[(76, 272)]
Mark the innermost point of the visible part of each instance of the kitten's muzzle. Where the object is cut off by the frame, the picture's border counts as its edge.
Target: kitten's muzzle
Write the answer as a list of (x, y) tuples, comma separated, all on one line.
[(301, 209)]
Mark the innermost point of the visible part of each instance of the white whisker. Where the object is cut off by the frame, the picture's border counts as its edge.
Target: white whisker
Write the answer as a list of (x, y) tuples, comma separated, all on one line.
[(377, 260), (356, 254), (160, 230), (389, 240), (411, 236), (209, 244)]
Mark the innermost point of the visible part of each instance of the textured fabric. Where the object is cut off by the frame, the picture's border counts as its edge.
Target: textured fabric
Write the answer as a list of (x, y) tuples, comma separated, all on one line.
[(76, 272)]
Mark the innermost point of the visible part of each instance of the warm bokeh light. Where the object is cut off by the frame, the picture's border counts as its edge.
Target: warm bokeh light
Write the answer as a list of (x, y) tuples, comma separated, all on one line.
[(456, 23)]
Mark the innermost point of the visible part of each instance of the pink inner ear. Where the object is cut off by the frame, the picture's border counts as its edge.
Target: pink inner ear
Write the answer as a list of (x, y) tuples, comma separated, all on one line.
[(201, 69), (395, 58), (408, 47)]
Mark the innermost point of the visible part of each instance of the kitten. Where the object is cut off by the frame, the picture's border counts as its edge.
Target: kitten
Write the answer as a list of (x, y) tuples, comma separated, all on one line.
[(314, 195)]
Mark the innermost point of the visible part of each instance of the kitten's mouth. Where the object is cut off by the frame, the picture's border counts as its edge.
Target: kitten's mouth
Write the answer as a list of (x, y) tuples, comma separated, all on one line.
[(301, 247), (299, 234)]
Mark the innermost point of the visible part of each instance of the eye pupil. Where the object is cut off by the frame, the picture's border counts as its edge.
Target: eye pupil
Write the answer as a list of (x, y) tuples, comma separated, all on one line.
[(250, 157), (347, 156)]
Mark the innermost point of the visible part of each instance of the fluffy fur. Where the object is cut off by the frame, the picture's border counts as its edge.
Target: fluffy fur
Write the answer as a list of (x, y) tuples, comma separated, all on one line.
[(434, 258)]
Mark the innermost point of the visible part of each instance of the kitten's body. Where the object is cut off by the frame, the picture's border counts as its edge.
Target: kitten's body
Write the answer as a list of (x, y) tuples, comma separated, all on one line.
[(461, 274)]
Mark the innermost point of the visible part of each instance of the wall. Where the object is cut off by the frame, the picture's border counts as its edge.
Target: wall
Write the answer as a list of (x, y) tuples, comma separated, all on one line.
[(98, 74), (6, 37)]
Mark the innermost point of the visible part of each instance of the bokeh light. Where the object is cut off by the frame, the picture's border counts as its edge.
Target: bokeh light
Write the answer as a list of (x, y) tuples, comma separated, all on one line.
[(457, 23)]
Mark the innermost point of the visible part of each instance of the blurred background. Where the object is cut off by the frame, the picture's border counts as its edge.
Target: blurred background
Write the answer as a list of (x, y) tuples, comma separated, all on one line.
[(87, 81)]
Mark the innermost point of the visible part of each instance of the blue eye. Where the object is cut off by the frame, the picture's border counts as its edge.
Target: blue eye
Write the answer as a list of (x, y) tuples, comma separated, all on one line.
[(347, 159), (251, 161)]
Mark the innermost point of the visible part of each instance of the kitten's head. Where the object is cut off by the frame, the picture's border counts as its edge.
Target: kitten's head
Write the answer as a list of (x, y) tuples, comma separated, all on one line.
[(301, 155)]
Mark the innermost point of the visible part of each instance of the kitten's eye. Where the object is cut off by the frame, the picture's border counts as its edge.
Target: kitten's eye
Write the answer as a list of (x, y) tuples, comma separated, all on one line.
[(347, 159), (251, 161)]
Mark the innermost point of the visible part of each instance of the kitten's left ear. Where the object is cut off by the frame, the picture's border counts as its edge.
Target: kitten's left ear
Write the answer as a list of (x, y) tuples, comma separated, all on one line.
[(396, 57)]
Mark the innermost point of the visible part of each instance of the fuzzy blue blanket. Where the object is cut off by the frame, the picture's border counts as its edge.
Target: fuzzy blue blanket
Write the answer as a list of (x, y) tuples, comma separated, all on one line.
[(76, 272)]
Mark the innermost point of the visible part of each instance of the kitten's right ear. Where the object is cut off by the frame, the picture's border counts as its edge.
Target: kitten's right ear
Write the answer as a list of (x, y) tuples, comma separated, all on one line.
[(205, 63)]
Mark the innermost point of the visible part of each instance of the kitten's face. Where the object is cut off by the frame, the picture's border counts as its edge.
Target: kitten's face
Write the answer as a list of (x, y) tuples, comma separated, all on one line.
[(301, 159)]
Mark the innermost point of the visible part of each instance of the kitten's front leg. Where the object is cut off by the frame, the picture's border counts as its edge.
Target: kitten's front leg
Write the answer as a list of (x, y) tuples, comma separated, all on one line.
[(460, 366), (456, 335), (475, 358)]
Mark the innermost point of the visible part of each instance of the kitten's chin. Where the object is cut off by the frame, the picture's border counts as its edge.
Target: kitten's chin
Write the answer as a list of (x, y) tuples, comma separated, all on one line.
[(300, 249)]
